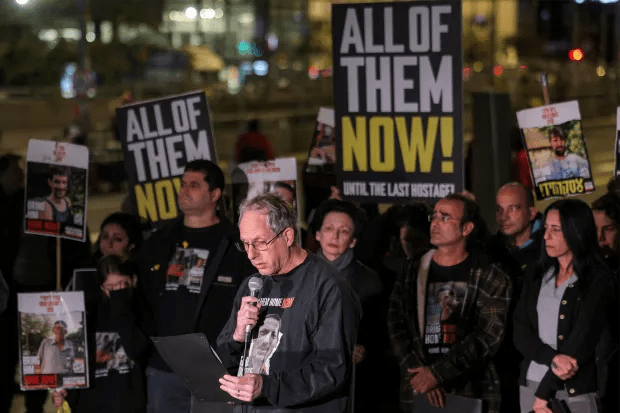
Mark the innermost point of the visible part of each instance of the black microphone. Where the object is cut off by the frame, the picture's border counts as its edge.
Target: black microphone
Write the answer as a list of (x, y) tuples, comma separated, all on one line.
[(255, 284)]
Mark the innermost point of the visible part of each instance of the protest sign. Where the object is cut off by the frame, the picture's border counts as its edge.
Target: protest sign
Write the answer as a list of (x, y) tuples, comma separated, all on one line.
[(56, 182), (398, 100), (322, 155), (278, 176), (556, 150), (159, 138), (52, 340)]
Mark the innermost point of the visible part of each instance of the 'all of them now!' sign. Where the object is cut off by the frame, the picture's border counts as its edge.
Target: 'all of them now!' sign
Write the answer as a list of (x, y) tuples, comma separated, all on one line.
[(398, 99), (159, 138)]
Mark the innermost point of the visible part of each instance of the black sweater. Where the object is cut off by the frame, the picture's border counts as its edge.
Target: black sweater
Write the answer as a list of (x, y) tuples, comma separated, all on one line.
[(582, 320), (319, 315)]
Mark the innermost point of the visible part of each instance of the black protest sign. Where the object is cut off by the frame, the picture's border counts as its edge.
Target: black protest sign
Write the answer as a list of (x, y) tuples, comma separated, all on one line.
[(159, 138), (398, 100)]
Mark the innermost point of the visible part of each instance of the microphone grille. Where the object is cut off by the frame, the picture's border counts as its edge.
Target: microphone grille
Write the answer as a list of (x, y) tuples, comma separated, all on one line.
[(255, 283)]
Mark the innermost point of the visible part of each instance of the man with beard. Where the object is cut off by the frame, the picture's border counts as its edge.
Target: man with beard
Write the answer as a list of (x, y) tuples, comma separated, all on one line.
[(563, 165), (57, 207)]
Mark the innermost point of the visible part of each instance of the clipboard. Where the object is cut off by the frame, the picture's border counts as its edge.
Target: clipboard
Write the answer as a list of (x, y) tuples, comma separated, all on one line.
[(192, 358)]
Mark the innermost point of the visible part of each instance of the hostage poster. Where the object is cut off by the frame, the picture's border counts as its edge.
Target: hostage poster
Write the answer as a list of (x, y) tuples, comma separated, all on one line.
[(398, 100), (278, 176), (556, 150), (56, 188), (322, 155), (159, 138), (52, 344)]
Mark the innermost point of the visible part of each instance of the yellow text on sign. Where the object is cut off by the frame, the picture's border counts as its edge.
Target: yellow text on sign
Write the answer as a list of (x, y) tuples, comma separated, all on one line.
[(562, 188), (379, 135), (157, 200)]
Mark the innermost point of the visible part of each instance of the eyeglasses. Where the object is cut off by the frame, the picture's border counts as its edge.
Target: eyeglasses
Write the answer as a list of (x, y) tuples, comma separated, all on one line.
[(441, 217), (257, 245), (118, 286)]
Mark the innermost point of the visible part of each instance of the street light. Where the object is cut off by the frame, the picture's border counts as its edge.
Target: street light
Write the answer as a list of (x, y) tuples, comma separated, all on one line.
[(22, 2)]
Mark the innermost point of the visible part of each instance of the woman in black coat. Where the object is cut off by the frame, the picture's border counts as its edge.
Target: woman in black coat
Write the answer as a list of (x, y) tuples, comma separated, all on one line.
[(338, 225), (562, 313), (117, 346)]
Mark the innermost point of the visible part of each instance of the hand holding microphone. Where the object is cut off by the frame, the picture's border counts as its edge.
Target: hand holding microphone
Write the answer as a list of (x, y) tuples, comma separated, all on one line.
[(247, 316)]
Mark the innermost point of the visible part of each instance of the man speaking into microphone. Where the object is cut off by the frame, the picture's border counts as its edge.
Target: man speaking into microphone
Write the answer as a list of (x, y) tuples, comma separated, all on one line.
[(303, 320)]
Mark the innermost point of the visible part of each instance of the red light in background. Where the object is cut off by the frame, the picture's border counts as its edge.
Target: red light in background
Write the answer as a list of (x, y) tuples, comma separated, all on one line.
[(575, 55), (523, 67), (467, 72), (313, 72), (498, 70)]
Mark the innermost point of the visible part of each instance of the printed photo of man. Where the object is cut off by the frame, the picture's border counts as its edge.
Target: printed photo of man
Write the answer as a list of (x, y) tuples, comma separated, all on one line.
[(56, 354), (57, 206), (563, 164), (446, 297), (264, 345)]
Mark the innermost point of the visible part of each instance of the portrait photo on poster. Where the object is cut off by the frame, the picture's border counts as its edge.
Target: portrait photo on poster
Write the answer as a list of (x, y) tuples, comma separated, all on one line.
[(278, 176), (55, 199), (557, 154), (322, 154), (556, 150), (52, 341)]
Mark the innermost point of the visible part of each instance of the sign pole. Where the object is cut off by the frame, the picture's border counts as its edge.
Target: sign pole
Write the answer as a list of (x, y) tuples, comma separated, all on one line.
[(545, 85), (58, 265)]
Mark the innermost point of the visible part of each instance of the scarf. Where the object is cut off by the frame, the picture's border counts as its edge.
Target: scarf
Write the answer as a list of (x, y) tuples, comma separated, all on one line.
[(342, 261)]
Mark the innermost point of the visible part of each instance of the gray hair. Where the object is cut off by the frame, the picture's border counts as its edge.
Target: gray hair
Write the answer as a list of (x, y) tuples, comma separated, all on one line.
[(280, 214)]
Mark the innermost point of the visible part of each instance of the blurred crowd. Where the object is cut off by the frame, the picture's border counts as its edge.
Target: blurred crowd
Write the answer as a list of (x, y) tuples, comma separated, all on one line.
[(519, 319)]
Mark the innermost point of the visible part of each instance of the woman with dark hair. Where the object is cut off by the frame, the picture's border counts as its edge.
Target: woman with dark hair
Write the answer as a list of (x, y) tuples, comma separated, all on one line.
[(562, 313), (121, 234), (338, 227), (116, 344)]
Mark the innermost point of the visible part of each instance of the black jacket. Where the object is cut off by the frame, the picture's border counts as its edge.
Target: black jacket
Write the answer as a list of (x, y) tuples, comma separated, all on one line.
[(213, 310), (515, 261), (366, 283), (581, 324)]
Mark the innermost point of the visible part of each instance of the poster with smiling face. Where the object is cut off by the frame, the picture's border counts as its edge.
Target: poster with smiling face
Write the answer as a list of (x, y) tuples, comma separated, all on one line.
[(56, 189)]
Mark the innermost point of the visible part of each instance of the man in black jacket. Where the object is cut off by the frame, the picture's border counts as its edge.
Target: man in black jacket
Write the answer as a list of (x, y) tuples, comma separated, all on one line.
[(515, 247), (306, 318), (183, 300)]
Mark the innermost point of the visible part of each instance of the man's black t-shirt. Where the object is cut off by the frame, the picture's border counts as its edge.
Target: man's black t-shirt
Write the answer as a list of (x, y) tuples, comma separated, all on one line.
[(445, 294), (194, 251)]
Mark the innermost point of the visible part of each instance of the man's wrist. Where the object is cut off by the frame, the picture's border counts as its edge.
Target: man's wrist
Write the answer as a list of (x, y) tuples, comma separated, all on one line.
[(238, 338)]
